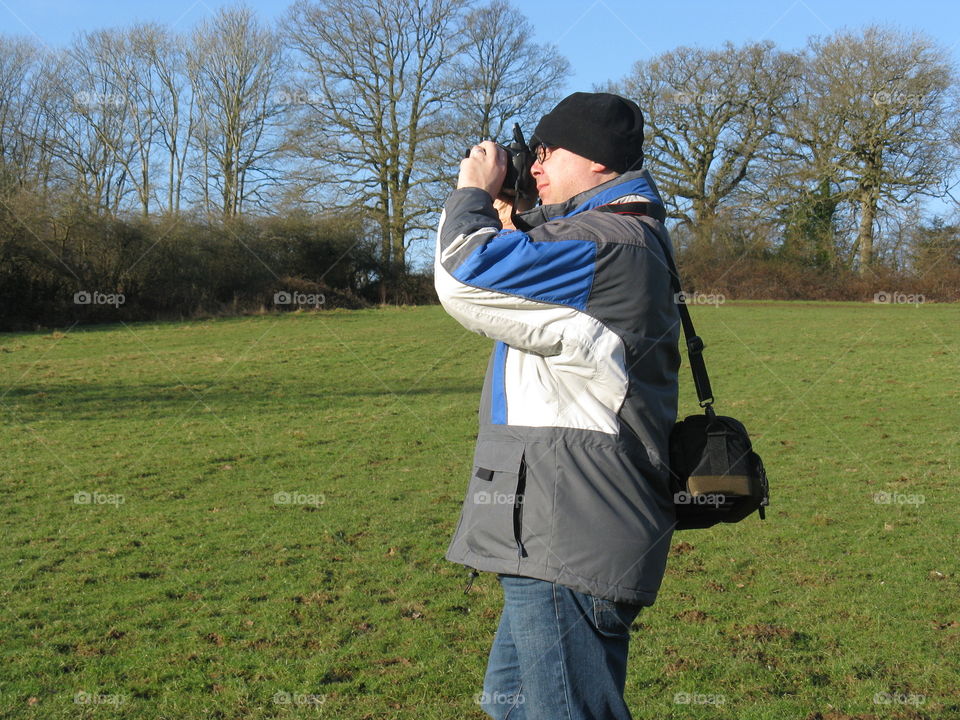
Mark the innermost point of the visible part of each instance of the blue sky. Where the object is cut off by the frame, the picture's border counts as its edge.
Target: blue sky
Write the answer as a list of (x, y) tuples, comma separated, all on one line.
[(601, 38)]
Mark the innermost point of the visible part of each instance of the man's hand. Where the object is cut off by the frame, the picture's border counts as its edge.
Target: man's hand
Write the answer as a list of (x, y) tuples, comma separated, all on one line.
[(484, 168), (504, 207)]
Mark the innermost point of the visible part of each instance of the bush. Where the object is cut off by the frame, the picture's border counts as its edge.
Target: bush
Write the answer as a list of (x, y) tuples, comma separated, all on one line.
[(770, 278), (77, 267)]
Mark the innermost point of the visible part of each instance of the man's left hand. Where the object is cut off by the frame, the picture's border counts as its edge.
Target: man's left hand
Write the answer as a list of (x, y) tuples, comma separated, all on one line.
[(504, 207)]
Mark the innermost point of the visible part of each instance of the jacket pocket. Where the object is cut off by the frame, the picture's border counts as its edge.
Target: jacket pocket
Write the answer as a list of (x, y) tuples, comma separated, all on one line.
[(493, 509)]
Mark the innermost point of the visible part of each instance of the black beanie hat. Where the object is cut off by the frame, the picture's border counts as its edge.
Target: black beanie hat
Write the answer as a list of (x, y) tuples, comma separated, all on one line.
[(602, 127)]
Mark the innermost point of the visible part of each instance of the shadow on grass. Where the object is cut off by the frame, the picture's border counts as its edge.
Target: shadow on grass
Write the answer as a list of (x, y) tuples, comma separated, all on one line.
[(116, 397)]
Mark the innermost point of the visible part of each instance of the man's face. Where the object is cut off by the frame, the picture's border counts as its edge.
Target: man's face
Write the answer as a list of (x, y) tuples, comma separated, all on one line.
[(562, 174)]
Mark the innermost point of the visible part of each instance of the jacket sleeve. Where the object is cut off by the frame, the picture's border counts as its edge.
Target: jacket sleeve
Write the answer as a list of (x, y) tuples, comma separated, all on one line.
[(521, 288)]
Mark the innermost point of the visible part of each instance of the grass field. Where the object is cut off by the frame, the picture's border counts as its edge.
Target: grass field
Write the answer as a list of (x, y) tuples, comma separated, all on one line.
[(246, 518)]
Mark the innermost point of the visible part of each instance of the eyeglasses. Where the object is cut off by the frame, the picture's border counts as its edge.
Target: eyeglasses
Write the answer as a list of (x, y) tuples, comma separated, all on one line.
[(541, 152)]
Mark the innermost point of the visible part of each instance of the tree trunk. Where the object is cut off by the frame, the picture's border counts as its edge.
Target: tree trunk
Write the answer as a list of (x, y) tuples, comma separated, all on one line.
[(386, 259), (868, 213), (703, 223)]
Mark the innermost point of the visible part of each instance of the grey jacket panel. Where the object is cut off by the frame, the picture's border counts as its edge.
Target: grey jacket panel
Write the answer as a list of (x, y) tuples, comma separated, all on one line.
[(631, 283), (568, 507)]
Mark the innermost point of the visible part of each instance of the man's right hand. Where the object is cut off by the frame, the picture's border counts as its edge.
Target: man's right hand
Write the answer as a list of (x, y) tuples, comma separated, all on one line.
[(485, 168)]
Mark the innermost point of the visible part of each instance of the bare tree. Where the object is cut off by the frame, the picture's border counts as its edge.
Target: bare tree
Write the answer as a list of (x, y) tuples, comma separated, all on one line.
[(24, 147), (234, 67), (875, 121), (797, 183), (508, 77), (375, 111), (709, 115), (127, 65), (171, 102), (90, 115)]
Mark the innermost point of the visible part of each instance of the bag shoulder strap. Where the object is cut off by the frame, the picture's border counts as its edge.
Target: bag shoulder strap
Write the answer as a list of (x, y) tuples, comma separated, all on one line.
[(695, 346)]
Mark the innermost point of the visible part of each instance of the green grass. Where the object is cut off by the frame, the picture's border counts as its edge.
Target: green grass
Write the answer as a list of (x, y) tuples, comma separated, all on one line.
[(184, 590)]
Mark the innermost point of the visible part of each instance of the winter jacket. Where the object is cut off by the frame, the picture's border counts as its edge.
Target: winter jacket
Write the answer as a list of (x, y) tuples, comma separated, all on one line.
[(569, 482)]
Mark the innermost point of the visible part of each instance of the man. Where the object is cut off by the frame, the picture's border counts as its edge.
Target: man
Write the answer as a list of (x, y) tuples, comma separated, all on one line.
[(569, 500)]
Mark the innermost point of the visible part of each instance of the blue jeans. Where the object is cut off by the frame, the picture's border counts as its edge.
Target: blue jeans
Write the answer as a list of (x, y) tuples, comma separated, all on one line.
[(558, 655)]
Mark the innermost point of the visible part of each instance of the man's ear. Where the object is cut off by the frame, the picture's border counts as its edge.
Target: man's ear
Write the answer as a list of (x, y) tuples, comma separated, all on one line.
[(601, 169)]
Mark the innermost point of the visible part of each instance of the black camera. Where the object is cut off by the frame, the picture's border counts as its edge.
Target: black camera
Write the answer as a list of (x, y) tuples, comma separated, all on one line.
[(518, 184)]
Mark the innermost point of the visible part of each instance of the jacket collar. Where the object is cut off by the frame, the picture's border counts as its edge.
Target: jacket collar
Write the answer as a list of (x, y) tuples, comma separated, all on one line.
[(635, 182)]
